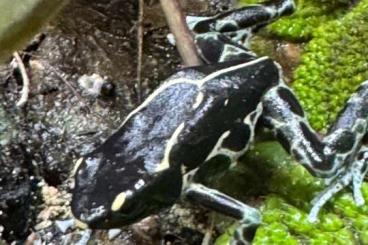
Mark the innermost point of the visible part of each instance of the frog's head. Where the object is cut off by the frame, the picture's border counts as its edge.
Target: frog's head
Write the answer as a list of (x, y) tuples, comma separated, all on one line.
[(110, 194)]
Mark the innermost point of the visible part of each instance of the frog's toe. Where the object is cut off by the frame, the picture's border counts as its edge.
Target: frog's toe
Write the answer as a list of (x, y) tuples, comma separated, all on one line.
[(358, 196), (323, 197), (244, 234), (352, 175), (359, 174)]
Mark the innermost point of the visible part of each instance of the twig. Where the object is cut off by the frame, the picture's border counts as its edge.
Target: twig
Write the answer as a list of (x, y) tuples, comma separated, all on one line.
[(25, 90), (178, 27), (208, 235), (31, 239), (140, 34)]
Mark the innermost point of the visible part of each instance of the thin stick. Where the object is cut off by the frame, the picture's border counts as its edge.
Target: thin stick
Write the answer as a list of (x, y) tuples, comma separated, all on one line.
[(183, 37), (25, 90), (140, 33), (68, 84), (208, 235)]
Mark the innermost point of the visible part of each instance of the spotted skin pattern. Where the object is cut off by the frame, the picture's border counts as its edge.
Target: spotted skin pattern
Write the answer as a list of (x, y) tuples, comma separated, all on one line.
[(160, 151)]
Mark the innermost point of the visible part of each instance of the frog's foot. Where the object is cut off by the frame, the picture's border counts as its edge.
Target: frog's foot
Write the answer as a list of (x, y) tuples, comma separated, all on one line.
[(86, 236), (212, 199), (358, 176), (244, 234), (351, 175)]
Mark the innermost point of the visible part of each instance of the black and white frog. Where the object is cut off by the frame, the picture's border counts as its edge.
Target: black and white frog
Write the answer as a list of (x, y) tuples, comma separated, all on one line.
[(204, 112)]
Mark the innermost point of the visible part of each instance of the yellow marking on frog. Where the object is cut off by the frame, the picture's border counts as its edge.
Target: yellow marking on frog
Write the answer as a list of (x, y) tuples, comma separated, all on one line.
[(80, 224), (198, 83), (198, 100), (169, 145), (216, 149), (76, 165), (118, 202)]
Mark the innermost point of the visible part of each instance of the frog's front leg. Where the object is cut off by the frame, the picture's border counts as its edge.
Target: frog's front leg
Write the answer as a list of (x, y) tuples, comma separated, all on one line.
[(214, 200)]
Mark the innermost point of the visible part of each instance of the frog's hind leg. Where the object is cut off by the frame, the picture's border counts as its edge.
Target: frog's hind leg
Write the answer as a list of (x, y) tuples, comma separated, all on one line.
[(248, 217), (225, 37), (239, 24), (215, 47), (345, 138), (344, 142), (323, 157), (338, 154)]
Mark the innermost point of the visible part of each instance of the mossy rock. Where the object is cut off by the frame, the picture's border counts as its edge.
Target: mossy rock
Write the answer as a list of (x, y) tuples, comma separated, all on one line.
[(333, 65)]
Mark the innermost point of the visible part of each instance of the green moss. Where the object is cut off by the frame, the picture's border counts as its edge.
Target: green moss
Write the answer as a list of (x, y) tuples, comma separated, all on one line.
[(275, 233), (309, 15), (333, 65)]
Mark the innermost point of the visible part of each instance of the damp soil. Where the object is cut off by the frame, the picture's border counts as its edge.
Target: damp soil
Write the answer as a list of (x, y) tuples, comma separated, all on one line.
[(62, 120)]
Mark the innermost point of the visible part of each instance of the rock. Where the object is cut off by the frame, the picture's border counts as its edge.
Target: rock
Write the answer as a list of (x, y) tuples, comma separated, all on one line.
[(112, 233), (92, 85), (15, 204), (64, 225), (15, 183)]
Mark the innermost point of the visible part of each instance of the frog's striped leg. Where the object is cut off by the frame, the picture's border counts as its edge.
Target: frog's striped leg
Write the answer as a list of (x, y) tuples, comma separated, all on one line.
[(323, 157), (212, 199), (358, 177), (353, 116), (225, 37), (336, 154), (215, 47), (239, 24)]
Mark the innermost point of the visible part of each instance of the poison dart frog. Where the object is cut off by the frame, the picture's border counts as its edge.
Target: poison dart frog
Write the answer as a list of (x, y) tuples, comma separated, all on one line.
[(211, 110)]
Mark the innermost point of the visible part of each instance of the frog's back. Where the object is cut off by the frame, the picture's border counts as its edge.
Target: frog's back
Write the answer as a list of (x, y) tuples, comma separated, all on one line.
[(226, 111), (183, 120)]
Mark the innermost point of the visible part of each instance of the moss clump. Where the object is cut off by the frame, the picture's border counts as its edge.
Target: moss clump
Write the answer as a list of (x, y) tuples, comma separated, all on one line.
[(309, 15), (333, 65), (285, 210)]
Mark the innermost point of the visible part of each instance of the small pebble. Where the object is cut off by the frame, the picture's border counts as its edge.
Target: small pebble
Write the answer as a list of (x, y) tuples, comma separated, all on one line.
[(64, 225), (113, 233)]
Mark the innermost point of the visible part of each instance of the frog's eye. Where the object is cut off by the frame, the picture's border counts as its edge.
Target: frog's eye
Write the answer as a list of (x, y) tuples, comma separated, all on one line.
[(126, 204)]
